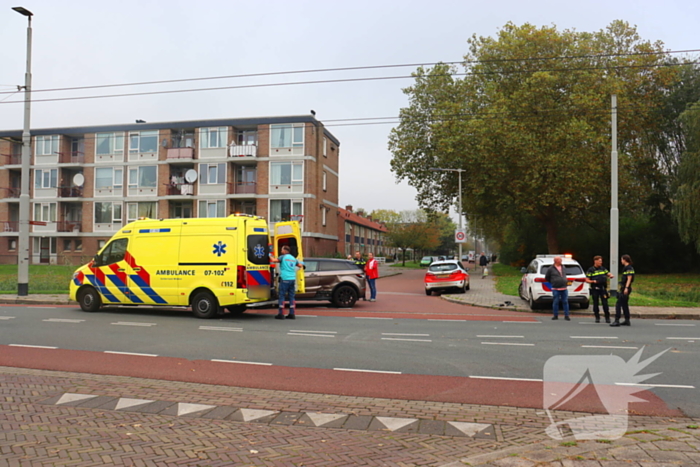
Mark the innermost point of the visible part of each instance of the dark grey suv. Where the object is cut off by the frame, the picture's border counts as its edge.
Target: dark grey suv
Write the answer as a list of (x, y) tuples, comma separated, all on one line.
[(336, 280)]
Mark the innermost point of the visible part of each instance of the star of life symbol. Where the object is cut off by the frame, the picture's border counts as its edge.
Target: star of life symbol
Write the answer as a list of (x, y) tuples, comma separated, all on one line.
[(219, 248), (611, 379), (259, 251)]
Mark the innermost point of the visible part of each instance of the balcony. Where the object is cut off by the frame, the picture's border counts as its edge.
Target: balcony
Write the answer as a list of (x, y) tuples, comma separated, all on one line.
[(176, 154), (71, 158), (69, 226), (241, 188), (70, 192), (9, 226), (10, 192), (245, 150), (179, 189)]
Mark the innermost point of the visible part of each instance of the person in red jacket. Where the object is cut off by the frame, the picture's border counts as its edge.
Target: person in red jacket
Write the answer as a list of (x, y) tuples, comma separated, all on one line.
[(372, 272)]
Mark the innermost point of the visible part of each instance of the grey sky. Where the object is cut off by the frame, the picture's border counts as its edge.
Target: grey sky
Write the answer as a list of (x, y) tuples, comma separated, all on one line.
[(78, 43)]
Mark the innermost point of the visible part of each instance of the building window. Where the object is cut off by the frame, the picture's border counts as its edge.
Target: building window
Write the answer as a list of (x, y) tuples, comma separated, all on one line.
[(143, 142), (108, 177), (78, 245), (212, 174), (135, 211), (143, 177), (325, 147), (282, 209), (323, 216), (45, 212), (101, 244), (11, 244), (45, 178), (109, 143), (214, 208), (108, 213), (247, 138), (325, 181), (46, 145), (66, 244), (287, 136), (287, 173), (212, 137)]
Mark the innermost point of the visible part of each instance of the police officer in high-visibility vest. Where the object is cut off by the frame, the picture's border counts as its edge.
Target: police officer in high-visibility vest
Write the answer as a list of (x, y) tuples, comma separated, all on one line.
[(597, 276), (359, 260), (622, 307)]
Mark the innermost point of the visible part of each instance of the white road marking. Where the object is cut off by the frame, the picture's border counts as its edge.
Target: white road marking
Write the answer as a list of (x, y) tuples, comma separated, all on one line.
[(33, 346), (679, 386), (319, 332), (450, 320), (401, 334), (407, 340), (59, 320), (523, 322), (131, 353), (367, 317), (607, 347), (514, 337), (6, 317), (245, 363), (506, 343), (309, 335), (43, 307), (593, 337), (219, 328), (504, 378), (368, 371), (133, 323), (672, 324), (684, 338)]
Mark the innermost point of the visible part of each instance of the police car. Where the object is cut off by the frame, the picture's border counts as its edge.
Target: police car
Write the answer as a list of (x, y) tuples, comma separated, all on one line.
[(538, 293)]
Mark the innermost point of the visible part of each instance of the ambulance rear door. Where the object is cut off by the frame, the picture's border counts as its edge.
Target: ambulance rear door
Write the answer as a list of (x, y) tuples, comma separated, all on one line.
[(289, 234), (258, 278)]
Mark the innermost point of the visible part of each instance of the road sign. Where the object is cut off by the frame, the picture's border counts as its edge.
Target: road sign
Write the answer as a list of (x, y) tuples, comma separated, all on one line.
[(37, 223), (460, 236)]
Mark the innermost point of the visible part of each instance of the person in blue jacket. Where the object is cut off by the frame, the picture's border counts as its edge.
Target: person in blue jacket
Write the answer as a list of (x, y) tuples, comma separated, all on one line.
[(288, 274)]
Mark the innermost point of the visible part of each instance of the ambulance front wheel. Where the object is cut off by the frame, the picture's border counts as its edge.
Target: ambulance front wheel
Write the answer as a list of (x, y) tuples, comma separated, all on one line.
[(205, 305), (89, 299)]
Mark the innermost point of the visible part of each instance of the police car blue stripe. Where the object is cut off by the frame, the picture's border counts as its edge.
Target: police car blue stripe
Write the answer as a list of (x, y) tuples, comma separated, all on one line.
[(148, 290), (154, 230), (259, 277), (101, 287), (124, 289)]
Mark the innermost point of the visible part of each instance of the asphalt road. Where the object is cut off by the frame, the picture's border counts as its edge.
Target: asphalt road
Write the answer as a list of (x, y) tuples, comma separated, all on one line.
[(512, 353)]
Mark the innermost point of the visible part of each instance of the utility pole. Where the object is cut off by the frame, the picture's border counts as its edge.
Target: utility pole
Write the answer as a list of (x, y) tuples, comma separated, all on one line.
[(23, 243), (614, 213)]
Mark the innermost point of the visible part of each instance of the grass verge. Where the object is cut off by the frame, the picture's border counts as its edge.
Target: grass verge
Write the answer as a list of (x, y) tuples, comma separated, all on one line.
[(43, 278)]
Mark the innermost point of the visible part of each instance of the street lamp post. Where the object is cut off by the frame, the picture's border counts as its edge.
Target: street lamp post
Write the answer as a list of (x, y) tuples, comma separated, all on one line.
[(459, 200), (23, 244)]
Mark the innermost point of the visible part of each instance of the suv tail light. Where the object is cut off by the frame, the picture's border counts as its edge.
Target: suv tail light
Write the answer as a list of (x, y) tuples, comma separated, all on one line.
[(241, 282)]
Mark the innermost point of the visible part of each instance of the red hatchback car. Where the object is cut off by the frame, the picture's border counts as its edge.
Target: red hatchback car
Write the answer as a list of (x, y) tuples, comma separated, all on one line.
[(446, 275)]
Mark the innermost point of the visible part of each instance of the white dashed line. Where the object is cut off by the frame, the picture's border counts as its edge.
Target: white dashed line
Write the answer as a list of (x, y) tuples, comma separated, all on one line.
[(593, 337), (608, 347), (407, 340), (314, 332), (450, 320), (684, 338), (309, 335), (368, 317), (506, 343), (678, 386), (131, 353), (243, 363), (43, 307), (507, 337), (133, 323), (33, 346), (672, 324), (59, 320), (220, 328), (522, 322), (401, 334), (504, 378), (368, 371), (6, 317)]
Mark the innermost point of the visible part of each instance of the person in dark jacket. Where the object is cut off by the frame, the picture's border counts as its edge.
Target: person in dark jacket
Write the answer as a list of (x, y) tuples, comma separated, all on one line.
[(556, 276), (359, 260), (597, 276), (483, 260), (623, 292)]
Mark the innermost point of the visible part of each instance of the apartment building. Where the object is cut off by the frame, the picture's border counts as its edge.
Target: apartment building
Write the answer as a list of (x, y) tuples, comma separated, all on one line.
[(359, 233), (88, 182)]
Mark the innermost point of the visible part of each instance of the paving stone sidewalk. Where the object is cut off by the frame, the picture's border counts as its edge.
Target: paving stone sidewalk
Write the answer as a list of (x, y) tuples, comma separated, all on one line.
[(36, 431)]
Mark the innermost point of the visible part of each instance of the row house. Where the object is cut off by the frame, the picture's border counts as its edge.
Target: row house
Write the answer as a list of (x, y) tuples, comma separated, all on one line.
[(88, 182), (359, 233)]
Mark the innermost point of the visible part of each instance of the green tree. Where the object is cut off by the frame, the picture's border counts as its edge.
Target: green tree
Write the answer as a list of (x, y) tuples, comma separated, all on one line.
[(686, 206), (530, 122), (411, 229)]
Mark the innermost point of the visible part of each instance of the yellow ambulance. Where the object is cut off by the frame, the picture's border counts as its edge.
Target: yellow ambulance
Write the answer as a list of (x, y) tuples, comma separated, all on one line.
[(205, 263)]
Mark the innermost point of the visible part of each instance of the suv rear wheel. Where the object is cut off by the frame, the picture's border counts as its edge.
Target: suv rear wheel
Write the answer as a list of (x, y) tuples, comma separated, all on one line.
[(344, 296)]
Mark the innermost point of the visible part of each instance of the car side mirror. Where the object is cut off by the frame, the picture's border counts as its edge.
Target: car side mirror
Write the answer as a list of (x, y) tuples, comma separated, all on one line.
[(523, 270)]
